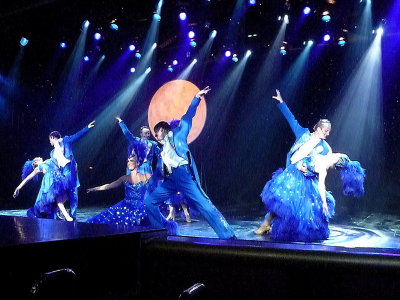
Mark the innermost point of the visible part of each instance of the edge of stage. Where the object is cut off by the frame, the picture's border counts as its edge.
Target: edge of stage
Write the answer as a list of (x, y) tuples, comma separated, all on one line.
[(143, 263)]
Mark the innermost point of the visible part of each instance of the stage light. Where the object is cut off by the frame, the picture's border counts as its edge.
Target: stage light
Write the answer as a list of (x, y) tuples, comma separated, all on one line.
[(193, 44), (228, 53), (248, 53), (279, 18), (23, 42), (182, 16), (174, 62), (252, 2), (235, 58), (148, 70), (326, 17), (341, 41), (63, 45), (191, 34), (306, 10), (114, 26), (286, 19), (132, 47), (157, 17), (133, 70), (327, 37), (379, 31), (283, 51), (86, 58), (310, 42), (103, 57), (138, 55), (213, 34), (154, 46), (170, 68), (97, 36), (194, 61), (85, 24)]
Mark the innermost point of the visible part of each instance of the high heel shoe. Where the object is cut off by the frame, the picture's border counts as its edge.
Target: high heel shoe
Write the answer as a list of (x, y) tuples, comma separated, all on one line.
[(263, 229)]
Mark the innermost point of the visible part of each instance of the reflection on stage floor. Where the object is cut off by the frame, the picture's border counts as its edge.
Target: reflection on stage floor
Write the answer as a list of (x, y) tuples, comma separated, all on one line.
[(369, 231)]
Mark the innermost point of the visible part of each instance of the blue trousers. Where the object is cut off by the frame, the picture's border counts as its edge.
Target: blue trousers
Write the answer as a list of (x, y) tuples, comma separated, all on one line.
[(181, 180), (70, 172)]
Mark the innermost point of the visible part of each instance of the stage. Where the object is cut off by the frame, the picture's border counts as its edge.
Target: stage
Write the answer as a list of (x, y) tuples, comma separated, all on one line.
[(361, 258)]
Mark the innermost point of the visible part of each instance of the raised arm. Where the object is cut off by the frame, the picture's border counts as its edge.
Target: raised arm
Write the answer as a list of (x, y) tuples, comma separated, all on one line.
[(107, 186), (25, 181), (128, 135), (294, 124), (186, 121), (73, 138)]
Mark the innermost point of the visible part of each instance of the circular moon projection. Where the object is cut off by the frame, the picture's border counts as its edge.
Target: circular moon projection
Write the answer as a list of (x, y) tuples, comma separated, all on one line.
[(171, 101)]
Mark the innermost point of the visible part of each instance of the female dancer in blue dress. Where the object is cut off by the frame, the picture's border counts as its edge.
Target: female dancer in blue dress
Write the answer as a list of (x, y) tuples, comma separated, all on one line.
[(296, 199), (131, 210), (53, 189)]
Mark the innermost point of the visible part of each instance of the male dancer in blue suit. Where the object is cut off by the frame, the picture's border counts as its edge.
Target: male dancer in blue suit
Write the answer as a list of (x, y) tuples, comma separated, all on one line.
[(64, 156), (151, 147), (180, 174)]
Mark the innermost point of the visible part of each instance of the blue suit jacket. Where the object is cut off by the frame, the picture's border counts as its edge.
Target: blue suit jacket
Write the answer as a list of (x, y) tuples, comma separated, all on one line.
[(302, 134), (154, 150), (67, 142)]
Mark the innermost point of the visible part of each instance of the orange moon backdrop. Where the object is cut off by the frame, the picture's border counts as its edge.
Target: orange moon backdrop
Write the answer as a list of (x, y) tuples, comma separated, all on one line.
[(171, 101)]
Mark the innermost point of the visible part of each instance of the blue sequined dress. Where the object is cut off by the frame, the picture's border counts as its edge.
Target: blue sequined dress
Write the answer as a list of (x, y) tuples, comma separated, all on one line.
[(295, 201), (52, 189), (130, 211)]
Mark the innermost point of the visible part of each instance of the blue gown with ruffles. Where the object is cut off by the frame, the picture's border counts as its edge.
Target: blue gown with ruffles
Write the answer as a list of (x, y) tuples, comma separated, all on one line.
[(130, 211), (52, 188)]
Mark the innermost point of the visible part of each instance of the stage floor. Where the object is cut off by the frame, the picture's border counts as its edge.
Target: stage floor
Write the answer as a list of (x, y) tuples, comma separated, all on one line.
[(369, 231)]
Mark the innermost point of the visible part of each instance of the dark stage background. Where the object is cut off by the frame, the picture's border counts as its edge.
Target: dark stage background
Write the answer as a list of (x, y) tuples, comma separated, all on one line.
[(245, 138)]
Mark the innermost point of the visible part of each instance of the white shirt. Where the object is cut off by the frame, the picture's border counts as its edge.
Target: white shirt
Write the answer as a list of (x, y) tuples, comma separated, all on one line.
[(169, 156), (59, 155)]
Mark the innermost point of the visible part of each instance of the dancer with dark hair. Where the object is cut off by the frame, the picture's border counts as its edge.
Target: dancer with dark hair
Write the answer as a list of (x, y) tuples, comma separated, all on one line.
[(64, 157), (131, 210), (298, 205), (151, 147), (52, 193), (180, 174)]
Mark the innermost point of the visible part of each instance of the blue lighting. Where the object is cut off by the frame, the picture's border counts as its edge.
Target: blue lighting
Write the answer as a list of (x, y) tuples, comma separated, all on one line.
[(191, 34), (252, 2), (310, 42), (170, 68), (326, 18), (306, 10), (85, 24), (86, 58), (174, 62), (283, 51), (213, 34), (97, 36), (341, 43), (193, 44), (63, 45), (248, 52), (148, 70), (138, 55), (114, 26), (327, 37), (228, 53), (379, 31), (132, 47), (133, 70), (235, 58), (182, 16), (24, 41), (156, 17)]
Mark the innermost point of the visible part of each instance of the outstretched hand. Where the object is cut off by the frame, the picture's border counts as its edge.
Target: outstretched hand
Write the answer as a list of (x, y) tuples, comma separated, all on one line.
[(90, 190), (278, 96), (118, 119), (203, 92), (91, 124)]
